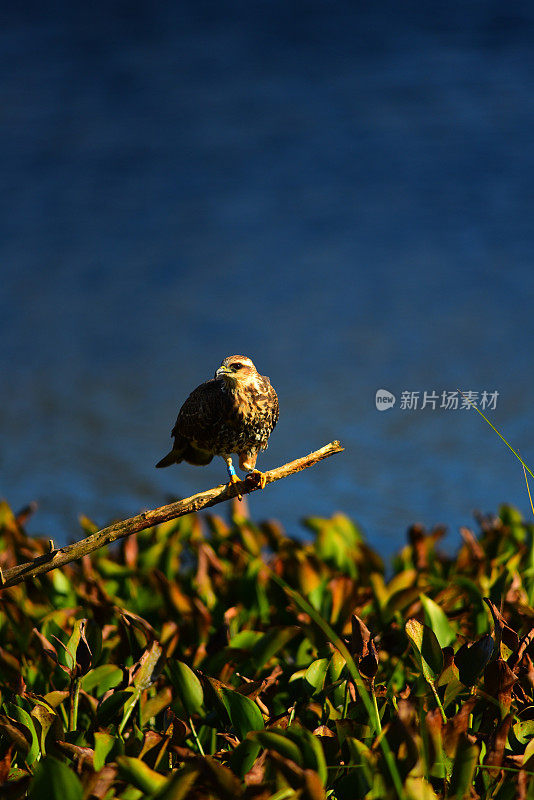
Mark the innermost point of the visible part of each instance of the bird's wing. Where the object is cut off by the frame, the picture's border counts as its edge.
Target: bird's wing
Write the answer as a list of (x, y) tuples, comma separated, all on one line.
[(201, 414), (275, 410), (268, 401)]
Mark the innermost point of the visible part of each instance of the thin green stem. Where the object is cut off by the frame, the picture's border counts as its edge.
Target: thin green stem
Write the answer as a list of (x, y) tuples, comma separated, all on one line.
[(516, 454), (74, 699), (438, 701), (195, 737), (375, 704)]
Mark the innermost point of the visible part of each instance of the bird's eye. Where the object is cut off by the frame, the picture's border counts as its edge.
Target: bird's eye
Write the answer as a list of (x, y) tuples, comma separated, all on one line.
[(236, 367)]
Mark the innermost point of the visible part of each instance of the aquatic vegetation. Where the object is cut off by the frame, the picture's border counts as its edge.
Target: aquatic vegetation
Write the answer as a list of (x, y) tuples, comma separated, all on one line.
[(213, 659)]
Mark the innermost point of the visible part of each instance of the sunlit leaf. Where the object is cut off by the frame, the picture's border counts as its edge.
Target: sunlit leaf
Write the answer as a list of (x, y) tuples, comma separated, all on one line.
[(426, 648), (101, 679), (22, 716), (315, 674), (436, 619), (104, 744), (188, 687), (244, 714), (140, 774)]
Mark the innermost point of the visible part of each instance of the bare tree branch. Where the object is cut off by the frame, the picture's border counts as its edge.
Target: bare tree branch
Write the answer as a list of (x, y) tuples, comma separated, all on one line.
[(72, 552)]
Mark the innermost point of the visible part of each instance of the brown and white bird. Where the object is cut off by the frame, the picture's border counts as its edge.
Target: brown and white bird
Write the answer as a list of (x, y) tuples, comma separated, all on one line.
[(235, 412)]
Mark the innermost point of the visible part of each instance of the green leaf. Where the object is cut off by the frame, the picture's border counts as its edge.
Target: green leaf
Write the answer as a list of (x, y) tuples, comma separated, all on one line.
[(243, 757), (46, 719), (524, 730), (104, 744), (139, 774), (315, 674), (436, 619), (270, 643), (148, 667), (463, 769), (22, 716), (245, 640), (277, 740), (155, 704), (77, 636), (53, 779), (188, 687), (311, 749), (472, 660), (244, 714), (109, 708), (426, 649), (102, 678), (180, 785)]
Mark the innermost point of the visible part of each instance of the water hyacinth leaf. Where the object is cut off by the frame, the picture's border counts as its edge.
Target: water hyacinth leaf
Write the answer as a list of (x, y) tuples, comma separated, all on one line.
[(188, 687), (54, 779), (305, 653), (245, 640), (315, 674), (245, 715), (148, 667), (471, 661), (109, 709), (47, 720), (277, 740), (463, 769), (365, 774), (104, 744), (243, 757), (140, 774), (436, 619), (18, 734), (270, 643), (225, 782), (22, 716), (524, 730), (77, 648), (154, 705), (179, 786), (311, 749), (55, 698), (426, 647), (529, 753), (101, 679)]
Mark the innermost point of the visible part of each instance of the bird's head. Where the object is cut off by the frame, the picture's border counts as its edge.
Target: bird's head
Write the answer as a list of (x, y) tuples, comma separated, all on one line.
[(237, 370)]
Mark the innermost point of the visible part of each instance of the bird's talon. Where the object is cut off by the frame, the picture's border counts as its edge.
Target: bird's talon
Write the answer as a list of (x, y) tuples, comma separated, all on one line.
[(257, 477), (234, 479)]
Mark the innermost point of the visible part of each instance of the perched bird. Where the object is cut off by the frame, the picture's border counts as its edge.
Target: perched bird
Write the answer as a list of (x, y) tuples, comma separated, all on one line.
[(235, 412)]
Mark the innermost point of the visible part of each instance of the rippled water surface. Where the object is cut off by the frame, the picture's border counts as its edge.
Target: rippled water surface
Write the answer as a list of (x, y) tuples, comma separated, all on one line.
[(342, 191)]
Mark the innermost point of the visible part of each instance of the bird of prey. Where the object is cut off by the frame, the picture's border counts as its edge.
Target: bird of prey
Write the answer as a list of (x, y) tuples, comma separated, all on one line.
[(235, 412)]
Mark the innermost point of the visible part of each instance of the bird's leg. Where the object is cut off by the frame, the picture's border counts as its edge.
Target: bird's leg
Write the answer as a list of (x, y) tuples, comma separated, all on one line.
[(248, 461), (232, 474)]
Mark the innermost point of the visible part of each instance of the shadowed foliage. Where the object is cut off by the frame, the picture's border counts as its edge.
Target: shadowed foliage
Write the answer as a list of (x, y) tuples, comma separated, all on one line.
[(183, 665)]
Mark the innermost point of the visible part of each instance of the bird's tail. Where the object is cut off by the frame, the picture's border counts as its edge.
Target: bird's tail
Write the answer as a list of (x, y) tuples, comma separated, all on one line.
[(170, 458)]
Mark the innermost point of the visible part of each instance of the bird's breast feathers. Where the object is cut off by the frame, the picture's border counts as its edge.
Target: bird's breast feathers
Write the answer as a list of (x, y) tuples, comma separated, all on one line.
[(222, 419)]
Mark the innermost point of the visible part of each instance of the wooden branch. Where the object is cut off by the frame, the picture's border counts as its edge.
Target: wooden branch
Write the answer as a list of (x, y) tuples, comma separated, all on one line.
[(72, 552)]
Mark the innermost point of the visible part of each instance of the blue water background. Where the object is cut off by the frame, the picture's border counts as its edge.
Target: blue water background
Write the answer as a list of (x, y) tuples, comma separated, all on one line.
[(342, 191)]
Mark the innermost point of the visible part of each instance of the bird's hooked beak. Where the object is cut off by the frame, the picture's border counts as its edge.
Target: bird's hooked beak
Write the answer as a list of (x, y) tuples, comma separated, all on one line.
[(222, 372)]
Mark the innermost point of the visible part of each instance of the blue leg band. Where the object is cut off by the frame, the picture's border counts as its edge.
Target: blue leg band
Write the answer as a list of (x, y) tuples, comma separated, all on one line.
[(231, 470)]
